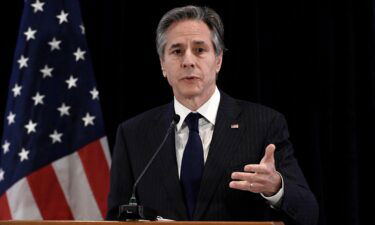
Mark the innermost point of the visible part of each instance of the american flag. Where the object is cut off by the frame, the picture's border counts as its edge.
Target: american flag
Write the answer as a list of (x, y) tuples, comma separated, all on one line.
[(54, 158)]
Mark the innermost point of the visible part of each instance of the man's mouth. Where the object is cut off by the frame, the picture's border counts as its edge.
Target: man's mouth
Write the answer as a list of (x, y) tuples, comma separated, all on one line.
[(190, 78)]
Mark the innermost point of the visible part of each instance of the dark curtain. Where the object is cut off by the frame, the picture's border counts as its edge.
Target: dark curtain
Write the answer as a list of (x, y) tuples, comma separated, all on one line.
[(312, 60)]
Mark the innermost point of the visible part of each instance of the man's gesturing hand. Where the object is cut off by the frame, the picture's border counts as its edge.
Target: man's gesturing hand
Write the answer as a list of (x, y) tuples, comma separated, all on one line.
[(259, 178)]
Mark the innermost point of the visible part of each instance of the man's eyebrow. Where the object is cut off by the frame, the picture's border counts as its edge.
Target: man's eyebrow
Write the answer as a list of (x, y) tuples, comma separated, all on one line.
[(177, 45), (199, 42)]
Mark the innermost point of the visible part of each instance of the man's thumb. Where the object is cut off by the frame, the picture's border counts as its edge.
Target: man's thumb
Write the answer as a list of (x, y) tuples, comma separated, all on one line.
[(269, 154)]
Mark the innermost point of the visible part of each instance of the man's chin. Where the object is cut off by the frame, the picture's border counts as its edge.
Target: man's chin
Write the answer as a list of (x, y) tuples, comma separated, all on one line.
[(188, 94)]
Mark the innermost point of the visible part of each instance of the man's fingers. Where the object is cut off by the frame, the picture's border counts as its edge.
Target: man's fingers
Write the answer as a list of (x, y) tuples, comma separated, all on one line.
[(240, 176), (240, 185), (269, 154), (249, 177), (259, 178), (244, 186), (255, 168)]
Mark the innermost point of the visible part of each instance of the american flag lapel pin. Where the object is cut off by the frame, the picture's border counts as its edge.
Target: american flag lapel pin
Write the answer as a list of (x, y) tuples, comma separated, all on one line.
[(234, 126)]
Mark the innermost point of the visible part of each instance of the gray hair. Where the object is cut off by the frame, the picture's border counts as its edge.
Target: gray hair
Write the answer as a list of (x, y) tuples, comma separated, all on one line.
[(205, 14)]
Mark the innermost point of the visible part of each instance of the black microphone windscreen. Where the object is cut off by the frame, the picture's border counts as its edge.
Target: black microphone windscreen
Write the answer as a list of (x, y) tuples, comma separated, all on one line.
[(176, 118)]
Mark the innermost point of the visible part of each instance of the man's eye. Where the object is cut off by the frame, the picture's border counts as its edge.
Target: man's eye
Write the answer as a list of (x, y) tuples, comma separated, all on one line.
[(176, 51), (199, 50)]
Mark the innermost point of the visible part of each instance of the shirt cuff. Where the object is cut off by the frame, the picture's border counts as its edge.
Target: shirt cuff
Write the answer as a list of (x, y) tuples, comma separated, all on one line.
[(274, 200)]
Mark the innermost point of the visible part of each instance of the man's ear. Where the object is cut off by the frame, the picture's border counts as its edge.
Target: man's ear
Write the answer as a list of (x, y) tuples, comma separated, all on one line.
[(219, 61), (162, 67)]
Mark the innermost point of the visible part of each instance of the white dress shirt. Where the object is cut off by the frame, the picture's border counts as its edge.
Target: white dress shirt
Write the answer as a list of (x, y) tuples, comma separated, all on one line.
[(206, 128)]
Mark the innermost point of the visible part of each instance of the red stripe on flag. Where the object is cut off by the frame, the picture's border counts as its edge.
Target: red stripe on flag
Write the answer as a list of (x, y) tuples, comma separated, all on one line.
[(48, 194), (4, 208), (97, 172)]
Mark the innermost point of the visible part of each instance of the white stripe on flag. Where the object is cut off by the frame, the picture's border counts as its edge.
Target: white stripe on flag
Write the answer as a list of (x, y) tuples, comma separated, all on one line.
[(105, 147), (76, 188), (25, 207)]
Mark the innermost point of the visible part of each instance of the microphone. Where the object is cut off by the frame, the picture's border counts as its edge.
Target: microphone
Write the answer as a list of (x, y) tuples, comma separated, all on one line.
[(133, 211)]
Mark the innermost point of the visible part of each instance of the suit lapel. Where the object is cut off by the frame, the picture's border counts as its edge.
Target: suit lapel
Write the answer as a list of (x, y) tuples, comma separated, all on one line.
[(224, 142), (167, 161)]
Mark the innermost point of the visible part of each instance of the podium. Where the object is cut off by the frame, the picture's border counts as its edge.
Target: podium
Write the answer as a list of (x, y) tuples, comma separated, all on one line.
[(75, 222)]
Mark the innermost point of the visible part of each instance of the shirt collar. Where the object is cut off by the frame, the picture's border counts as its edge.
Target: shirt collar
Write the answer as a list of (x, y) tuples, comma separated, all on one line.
[(208, 110)]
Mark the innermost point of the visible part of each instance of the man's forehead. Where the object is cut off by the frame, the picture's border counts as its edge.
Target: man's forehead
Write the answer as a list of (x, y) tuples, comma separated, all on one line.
[(188, 28), (194, 26)]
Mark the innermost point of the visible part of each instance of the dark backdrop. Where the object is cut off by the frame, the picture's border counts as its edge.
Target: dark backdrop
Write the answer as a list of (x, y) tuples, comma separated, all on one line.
[(312, 60)]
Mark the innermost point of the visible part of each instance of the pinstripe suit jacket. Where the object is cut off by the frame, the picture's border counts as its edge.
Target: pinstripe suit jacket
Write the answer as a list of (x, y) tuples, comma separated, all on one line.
[(230, 150)]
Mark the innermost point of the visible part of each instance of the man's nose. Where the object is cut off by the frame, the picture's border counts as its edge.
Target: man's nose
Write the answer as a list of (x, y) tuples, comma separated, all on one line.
[(188, 60)]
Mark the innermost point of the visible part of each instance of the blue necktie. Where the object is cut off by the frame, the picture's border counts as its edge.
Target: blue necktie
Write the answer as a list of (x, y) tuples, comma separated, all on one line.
[(192, 163)]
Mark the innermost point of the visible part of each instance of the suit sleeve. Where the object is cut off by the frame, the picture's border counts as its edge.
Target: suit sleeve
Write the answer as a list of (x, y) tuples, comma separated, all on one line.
[(298, 202), (121, 178)]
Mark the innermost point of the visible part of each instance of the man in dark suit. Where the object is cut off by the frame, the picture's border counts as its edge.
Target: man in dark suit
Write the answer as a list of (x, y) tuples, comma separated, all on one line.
[(226, 159)]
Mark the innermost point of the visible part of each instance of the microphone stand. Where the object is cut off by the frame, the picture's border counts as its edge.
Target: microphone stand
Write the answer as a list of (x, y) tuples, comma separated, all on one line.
[(133, 211)]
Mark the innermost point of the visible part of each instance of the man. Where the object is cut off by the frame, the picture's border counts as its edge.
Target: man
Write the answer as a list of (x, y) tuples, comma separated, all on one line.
[(226, 159)]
